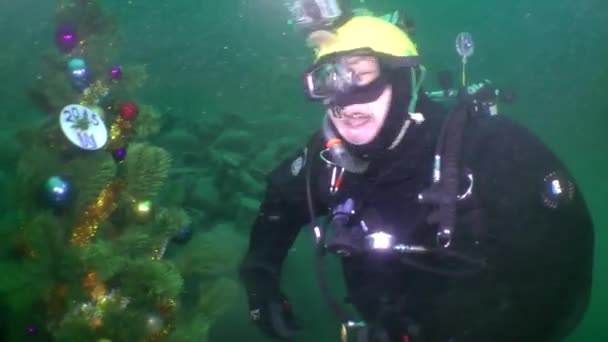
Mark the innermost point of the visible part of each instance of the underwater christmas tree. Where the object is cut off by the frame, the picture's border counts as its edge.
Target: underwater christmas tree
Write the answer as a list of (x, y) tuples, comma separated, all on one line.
[(90, 261)]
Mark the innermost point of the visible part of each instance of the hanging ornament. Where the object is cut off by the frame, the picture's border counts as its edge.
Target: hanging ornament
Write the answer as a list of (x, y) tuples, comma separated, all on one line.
[(119, 154), (129, 111), (116, 72), (183, 235), (154, 324), (78, 72), (57, 191), (32, 330), (66, 38), (83, 127), (142, 210)]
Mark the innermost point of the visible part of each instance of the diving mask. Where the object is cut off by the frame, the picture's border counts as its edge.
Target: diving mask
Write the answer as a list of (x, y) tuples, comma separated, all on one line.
[(355, 76)]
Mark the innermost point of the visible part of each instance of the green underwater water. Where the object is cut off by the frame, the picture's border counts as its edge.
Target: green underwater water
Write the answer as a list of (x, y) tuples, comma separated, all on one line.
[(212, 58)]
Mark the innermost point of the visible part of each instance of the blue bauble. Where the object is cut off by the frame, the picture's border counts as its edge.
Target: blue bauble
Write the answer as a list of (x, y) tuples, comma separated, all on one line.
[(57, 191), (78, 73), (183, 235), (76, 64)]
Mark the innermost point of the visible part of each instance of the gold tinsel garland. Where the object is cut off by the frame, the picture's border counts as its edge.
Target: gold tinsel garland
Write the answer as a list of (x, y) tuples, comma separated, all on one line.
[(93, 94), (159, 251), (118, 132), (96, 213), (94, 285)]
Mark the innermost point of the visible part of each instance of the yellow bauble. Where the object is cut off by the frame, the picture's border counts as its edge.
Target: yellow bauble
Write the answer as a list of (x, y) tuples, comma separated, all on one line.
[(143, 210)]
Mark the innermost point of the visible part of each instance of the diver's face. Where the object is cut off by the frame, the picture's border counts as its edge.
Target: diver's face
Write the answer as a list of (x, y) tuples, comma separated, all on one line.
[(359, 123)]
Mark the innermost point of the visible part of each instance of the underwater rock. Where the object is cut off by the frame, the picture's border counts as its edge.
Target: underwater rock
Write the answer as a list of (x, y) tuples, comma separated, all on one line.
[(249, 184), (176, 192), (205, 128), (223, 158), (246, 212), (286, 147), (250, 204), (179, 140), (217, 296), (206, 194), (215, 252), (233, 140), (265, 160), (231, 149)]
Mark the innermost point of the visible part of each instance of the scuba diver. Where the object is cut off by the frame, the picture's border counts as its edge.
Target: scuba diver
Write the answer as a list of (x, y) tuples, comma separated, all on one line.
[(451, 224)]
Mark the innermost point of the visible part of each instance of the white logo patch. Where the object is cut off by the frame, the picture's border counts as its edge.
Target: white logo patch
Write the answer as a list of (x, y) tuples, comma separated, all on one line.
[(296, 165)]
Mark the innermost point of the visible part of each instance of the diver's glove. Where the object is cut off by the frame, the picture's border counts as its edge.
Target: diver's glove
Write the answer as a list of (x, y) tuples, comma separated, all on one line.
[(273, 315)]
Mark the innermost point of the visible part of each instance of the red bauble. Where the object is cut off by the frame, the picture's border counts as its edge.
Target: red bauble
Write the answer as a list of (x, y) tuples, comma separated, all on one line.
[(129, 111)]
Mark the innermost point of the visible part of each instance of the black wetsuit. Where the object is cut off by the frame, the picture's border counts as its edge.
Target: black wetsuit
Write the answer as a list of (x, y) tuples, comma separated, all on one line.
[(537, 245)]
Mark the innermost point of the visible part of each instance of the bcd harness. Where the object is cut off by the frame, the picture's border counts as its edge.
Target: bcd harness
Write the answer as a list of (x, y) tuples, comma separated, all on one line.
[(442, 195)]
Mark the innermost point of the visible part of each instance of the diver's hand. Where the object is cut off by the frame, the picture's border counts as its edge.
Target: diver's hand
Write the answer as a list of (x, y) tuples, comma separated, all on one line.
[(274, 316)]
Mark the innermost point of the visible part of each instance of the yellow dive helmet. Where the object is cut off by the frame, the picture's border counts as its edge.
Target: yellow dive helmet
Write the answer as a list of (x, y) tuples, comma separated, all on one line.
[(368, 32)]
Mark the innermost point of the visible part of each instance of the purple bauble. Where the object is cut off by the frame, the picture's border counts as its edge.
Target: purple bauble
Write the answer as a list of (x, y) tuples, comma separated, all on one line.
[(66, 37), (183, 235), (119, 154), (116, 72)]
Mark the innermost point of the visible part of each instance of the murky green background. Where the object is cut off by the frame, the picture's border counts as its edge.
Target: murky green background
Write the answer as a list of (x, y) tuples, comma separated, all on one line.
[(209, 58)]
